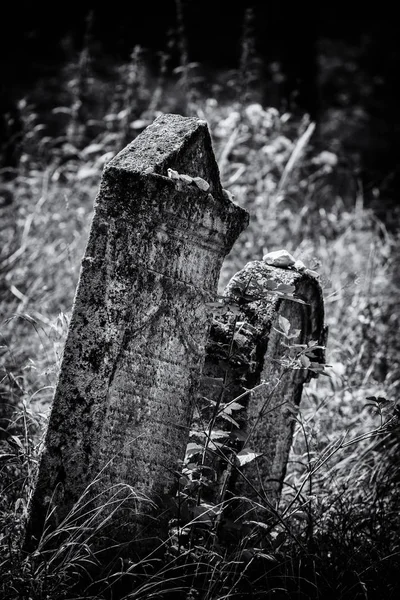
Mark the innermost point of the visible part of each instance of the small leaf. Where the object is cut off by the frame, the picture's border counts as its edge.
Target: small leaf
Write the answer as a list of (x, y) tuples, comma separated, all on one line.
[(218, 433), (229, 419), (201, 184), (313, 343), (231, 406), (172, 174), (193, 448), (284, 324), (305, 361), (20, 503), (294, 335), (285, 289), (300, 515), (246, 455), (189, 468)]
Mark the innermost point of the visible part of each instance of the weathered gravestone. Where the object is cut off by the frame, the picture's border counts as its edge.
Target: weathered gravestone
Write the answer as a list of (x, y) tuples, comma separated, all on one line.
[(247, 347), (135, 346)]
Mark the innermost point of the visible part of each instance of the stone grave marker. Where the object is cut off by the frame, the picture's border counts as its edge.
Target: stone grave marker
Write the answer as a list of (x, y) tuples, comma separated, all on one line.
[(135, 348), (247, 348)]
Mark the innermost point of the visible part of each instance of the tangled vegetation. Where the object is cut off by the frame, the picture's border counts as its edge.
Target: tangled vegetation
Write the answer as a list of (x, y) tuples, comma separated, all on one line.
[(335, 531)]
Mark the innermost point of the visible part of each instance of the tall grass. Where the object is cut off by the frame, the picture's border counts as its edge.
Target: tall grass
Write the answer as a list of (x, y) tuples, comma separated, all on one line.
[(335, 530)]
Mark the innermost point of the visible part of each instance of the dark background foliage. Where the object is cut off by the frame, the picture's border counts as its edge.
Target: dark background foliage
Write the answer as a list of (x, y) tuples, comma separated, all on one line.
[(314, 58)]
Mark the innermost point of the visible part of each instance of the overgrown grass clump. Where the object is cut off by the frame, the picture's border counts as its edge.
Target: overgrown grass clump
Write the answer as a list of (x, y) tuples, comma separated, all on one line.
[(335, 532)]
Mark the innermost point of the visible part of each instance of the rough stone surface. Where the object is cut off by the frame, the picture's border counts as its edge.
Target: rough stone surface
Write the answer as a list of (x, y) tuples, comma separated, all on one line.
[(245, 349), (135, 347)]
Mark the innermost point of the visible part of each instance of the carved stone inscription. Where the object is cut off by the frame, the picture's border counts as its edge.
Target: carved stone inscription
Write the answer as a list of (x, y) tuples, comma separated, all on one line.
[(135, 347)]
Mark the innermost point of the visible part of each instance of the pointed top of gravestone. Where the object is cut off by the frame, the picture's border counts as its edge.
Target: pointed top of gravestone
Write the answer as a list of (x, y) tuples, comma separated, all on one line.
[(172, 142)]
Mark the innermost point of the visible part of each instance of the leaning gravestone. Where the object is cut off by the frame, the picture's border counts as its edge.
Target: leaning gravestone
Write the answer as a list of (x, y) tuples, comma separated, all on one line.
[(135, 347), (249, 345)]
